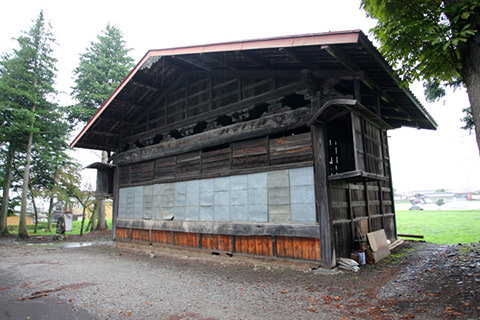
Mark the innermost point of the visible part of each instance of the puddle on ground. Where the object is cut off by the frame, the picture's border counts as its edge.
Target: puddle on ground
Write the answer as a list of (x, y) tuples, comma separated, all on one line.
[(76, 244), (67, 245)]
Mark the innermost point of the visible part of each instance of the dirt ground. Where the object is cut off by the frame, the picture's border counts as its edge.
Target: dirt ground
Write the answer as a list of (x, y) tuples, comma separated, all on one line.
[(89, 278)]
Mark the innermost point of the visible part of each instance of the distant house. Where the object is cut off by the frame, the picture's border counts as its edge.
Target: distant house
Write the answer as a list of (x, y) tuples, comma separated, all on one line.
[(272, 147), (15, 220), (75, 208)]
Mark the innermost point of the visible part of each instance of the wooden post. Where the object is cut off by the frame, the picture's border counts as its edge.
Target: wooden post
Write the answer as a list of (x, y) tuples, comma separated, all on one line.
[(116, 198), (324, 218)]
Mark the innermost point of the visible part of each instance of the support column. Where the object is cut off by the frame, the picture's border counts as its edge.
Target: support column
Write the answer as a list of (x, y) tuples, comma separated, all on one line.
[(324, 218), (116, 196)]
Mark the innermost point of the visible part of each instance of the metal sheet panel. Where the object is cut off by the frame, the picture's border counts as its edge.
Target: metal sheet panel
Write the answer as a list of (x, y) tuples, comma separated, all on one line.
[(221, 213), (122, 203), (302, 195), (238, 182), (147, 210)]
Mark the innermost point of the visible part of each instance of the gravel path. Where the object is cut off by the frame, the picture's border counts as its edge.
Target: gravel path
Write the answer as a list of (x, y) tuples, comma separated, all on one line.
[(100, 281), (118, 284)]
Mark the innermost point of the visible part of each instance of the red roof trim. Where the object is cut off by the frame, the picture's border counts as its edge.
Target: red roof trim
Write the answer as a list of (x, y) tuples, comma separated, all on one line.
[(277, 42), (107, 102)]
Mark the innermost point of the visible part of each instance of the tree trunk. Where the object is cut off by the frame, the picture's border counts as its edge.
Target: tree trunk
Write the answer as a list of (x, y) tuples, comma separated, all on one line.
[(101, 203), (91, 223), (6, 191), (49, 215), (34, 210), (83, 220), (22, 226), (471, 76)]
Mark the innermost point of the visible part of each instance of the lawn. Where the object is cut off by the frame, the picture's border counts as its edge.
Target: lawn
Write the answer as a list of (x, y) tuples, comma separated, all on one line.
[(442, 227), (42, 226)]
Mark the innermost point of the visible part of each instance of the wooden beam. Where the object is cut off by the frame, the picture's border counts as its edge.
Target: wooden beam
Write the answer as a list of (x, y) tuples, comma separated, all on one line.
[(279, 92), (121, 120), (341, 57), (224, 228), (193, 62), (324, 215), (238, 131), (290, 52), (160, 97), (220, 61), (319, 109)]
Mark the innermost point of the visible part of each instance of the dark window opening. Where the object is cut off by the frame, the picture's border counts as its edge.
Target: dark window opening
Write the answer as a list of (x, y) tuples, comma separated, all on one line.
[(199, 127), (224, 120), (158, 138), (257, 111), (175, 134), (340, 146), (294, 101)]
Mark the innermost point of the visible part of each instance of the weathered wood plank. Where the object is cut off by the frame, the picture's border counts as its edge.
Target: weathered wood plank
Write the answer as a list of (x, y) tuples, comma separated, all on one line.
[(291, 149), (239, 131), (225, 228), (123, 234), (161, 236), (221, 105), (140, 234), (324, 215)]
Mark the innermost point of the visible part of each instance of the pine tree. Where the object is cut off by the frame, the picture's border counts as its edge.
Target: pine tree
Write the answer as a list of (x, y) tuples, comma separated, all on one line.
[(27, 78), (101, 69)]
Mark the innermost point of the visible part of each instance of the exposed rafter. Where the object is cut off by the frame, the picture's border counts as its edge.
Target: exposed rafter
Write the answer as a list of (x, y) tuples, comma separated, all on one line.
[(337, 53), (194, 62)]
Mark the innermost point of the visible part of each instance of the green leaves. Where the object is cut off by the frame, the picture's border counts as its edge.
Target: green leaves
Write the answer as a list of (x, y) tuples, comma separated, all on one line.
[(101, 69), (424, 39), (27, 78), (436, 41)]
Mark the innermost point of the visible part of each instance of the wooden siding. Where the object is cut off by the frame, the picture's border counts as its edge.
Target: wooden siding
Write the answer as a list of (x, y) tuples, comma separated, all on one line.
[(217, 242), (141, 235), (186, 239), (255, 245), (266, 246), (123, 234), (223, 160), (298, 248), (358, 208), (161, 236)]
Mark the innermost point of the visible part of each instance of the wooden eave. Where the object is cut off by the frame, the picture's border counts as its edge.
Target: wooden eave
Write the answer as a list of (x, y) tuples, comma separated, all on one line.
[(333, 55)]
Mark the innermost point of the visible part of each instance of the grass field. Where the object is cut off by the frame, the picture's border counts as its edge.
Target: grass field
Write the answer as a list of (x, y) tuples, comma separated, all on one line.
[(42, 226), (442, 227)]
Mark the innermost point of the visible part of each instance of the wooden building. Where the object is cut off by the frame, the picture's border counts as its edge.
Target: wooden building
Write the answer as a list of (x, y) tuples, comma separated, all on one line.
[(272, 147)]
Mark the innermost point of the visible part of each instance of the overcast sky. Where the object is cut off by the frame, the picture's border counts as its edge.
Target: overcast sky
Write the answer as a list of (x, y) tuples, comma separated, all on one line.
[(421, 159)]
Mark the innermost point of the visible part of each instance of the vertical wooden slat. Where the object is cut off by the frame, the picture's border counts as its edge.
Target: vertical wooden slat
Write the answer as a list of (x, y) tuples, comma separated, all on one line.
[(298, 248), (123, 233)]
